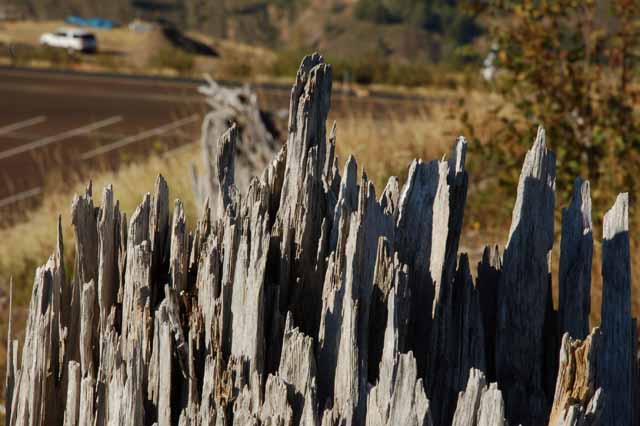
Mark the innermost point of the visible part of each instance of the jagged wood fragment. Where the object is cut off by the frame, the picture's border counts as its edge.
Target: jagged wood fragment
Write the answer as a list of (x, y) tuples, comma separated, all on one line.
[(303, 199), (457, 343), (523, 290), (298, 369), (487, 284), (295, 303), (179, 252), (225, 167), (276, 410), (616, 370), (491, 410), (576, 251), (108, 277), (480, 404), (399, 396), (158, 230), (36, 397), (72, 407), (88, 331), (84, 222), (87, 410), (577, 399), (165, 372)]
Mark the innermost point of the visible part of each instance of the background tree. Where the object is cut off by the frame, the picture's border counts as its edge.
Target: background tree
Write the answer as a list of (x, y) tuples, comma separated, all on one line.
[(572, 66)]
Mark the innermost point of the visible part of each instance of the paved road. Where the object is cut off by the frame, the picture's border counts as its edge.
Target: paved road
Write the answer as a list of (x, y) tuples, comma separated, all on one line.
[(62, 121)]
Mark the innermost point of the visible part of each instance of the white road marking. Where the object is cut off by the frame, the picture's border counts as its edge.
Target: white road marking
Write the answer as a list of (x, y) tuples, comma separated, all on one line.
[(62, 136), (21, 125), (158, 131), (20, 196)]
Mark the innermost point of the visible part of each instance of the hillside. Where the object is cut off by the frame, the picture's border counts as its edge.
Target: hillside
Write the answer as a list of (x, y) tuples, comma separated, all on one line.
[(408, 30)]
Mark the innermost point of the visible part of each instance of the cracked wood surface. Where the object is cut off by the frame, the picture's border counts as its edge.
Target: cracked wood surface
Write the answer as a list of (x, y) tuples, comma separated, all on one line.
[(303, 298)]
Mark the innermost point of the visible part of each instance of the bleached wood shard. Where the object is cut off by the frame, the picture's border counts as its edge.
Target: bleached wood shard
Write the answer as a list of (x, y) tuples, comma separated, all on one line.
[(617, 365), (576, 251), (523, 290), (480, 404)]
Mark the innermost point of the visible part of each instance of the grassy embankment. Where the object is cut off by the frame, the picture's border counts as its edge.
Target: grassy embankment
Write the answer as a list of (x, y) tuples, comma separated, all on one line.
[(123, 50)]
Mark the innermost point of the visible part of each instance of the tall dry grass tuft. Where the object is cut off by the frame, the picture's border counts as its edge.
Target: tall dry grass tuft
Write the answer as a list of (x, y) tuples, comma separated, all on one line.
[(385, 142), (28, 243), (385, 146)]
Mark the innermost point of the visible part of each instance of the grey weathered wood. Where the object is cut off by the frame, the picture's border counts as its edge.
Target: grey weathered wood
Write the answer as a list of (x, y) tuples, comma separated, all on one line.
[(480, 404), (255, 144), (308, 300), (165, 372), (457, 343), (576, 252), (399, 396), (487, 284), (88, 331), (179, 254), (36, 399), (158, 231), (108, 250), (72, 407), (414, 243), (84, 221), (618, 346), (303, 204), (276, 409), (225, 167), (298, 369), (523, 290), (87, 410), (491, 410)]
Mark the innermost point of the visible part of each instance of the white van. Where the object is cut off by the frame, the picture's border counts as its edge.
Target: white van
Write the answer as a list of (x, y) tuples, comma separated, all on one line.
[(71, 39)]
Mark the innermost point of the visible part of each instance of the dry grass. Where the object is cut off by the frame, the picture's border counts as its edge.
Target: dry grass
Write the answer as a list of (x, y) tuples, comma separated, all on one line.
[(386, 146), (386, 143), (29, 243)]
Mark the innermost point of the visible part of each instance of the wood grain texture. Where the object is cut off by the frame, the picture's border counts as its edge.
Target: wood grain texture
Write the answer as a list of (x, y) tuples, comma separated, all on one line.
[(304, 298)]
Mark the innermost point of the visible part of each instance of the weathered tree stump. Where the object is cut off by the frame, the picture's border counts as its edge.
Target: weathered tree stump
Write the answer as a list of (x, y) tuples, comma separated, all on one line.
[(308, 300)]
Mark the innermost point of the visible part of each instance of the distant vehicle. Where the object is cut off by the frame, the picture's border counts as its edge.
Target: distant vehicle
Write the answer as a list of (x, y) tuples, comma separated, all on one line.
[(71, 39)]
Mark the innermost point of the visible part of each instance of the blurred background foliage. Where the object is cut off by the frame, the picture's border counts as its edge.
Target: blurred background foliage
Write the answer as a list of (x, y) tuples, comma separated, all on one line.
[(446, 17), (571, 66)]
